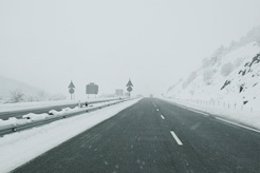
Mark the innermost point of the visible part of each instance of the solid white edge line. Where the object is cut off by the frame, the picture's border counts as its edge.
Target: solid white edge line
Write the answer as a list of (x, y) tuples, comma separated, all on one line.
[(176, 138), (237, 124), (198, 112), (162, 117), (215, 116), (190, 109)]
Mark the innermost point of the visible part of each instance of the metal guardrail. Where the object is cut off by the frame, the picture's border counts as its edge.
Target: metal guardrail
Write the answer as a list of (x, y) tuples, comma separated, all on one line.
[(20, 113), (15, 128)]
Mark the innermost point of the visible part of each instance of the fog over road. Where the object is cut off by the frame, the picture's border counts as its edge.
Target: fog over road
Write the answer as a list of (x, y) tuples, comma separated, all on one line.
[(155, 136)]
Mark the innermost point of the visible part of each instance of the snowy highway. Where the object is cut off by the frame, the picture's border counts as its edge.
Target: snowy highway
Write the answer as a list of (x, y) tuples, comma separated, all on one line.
[(140, 86), (155, 136)]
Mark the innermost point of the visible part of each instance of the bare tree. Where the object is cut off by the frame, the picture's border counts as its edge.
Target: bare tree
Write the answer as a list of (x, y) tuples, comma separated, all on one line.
[(16, 96)]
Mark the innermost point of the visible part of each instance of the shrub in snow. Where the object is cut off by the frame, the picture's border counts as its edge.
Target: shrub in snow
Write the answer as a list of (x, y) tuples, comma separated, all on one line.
[(16, 96), (227, 82), (241, 88), (207, 76), (227, 69)]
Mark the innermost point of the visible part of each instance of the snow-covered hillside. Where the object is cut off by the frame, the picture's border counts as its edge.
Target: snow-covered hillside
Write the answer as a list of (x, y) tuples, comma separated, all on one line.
[(232, 76), (16, 91), (227, 83)]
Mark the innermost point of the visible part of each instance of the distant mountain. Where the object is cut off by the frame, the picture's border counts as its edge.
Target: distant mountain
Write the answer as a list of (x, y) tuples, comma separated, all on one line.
[(15, 91), (231, 74)]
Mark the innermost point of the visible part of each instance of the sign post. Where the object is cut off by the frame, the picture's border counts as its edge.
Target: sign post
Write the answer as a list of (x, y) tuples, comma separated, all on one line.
[(71, 89), (129, 86)]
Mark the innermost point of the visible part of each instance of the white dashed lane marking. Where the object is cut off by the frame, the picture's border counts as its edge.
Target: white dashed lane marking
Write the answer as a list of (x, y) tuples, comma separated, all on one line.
[(177, 139), (162, 117)]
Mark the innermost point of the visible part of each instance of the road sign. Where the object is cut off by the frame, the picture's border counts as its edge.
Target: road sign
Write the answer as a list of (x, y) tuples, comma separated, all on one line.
[(129, 86), (129, 89), (71, 89), (71, 85), (92, 88)]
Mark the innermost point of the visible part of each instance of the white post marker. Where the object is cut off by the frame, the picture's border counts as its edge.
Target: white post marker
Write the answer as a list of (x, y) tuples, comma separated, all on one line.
[(162, 117), (176, 138)]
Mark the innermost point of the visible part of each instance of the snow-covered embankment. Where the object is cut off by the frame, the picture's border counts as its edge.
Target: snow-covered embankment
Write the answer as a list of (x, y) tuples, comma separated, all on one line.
[(18, 148)]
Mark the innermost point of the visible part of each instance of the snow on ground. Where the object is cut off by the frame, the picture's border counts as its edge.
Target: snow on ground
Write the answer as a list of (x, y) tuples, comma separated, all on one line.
[(42, 104), (232, 77), (227, 84), (238, 115), (31, 117), (18, 148)]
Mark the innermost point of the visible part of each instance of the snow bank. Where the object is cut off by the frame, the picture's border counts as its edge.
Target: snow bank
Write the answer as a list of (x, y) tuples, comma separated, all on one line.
[(241, 115), (36, 117), (42, 104), (226, 77), (18, 148), (13, 122), (227, 84)]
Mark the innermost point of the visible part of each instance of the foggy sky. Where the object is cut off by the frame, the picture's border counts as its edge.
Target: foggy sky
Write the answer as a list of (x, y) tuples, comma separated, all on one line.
[(154, 42)]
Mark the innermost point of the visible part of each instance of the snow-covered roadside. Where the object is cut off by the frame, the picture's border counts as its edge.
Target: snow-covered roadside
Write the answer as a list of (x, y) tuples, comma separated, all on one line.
[(14, 122), (226, 84), (34, 105), (18, 148), (232, 113)]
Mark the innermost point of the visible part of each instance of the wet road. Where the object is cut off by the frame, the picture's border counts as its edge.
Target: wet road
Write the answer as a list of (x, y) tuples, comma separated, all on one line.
[(154, 136)]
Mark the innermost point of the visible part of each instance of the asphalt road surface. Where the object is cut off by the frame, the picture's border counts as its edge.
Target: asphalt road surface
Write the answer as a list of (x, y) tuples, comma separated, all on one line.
[(154, 136)]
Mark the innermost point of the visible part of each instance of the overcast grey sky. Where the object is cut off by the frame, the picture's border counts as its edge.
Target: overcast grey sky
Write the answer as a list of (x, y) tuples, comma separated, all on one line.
[(154, 42)]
